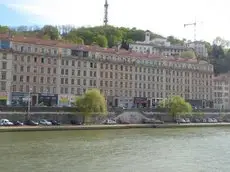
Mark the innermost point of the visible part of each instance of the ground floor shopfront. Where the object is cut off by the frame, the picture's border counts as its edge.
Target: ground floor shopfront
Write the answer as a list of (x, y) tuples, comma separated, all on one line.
[(3, 98)]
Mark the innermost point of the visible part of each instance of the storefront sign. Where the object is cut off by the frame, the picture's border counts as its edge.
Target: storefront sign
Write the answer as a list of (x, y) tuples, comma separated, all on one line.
[(140, 100), (3, 95)]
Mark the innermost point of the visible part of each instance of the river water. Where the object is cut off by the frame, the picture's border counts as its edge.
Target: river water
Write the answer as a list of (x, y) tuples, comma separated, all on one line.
[(131, 150)]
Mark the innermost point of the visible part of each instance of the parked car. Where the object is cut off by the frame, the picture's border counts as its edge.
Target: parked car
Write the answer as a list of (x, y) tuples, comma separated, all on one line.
[(109, 122), (214, 120), (44, 122), (210, 120), (5, 122), (187, 120), (18, 123), (55, 122), (31, 123), (197, 121), (158, 122), (75, 122), (181, 120)]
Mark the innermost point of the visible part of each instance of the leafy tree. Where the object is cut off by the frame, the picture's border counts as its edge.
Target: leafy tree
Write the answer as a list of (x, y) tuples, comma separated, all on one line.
[(4, 29), (101, 41), (188, 54), (176, 105), (174, 40), (50, 31), (92, 102)]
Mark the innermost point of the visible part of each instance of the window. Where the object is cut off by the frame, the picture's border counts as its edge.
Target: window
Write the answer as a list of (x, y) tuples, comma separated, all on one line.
[(54, 80), (4, 56), (28, 68), (49, 61), (35, 59), (48, 80), (66, 72), (22, 58), (21, 78), (28, 79), (66, 62), (66, 81), (49, 71), (73, 72), (14, 88), (4, 65), (42, 60), (3, 75), (42, 69), (28, 59), (21, 88), (54, 70), (62, 80), (14, 78), (62, 71), (55, 61), (22, 68), (73, 63), (72, 81), (35, 79), (42, 80)]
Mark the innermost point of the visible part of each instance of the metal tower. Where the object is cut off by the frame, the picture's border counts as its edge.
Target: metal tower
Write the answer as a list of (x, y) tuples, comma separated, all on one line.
[(106, 13)]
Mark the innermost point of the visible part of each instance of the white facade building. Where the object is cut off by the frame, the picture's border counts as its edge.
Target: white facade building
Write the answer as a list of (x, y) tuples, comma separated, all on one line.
[(199, 47), (158, 46)]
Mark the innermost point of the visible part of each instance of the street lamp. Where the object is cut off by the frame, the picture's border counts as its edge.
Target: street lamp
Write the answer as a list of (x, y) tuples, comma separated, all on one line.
[(28, 113)]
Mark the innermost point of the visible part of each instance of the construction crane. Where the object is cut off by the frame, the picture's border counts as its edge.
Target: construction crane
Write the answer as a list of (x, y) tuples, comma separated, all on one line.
[(192, 24)]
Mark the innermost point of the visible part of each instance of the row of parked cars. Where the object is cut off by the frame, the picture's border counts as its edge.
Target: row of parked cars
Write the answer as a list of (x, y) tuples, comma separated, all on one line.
[(6, 122), (207, 120)]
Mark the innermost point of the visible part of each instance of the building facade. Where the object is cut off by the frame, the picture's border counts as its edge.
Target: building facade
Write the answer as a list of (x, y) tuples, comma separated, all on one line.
[(48, 69), (199, 47), (221, 92), (158, 46)]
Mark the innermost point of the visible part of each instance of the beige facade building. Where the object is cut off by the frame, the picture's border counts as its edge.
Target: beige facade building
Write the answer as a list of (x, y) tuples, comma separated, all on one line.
[(221, 91), (49, 69)]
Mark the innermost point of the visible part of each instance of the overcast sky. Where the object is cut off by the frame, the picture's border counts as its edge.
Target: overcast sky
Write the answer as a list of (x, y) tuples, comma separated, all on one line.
[(166, 17)]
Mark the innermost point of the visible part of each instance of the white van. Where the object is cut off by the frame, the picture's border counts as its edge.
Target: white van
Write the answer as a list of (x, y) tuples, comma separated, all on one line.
[(5, 122)]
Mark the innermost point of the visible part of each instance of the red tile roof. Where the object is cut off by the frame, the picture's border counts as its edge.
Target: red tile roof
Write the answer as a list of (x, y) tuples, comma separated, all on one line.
[(62, 44)]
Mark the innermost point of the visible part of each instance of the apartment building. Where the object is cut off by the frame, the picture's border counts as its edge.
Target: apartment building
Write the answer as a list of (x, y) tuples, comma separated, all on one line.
[(221, 91), (199, 47), (158, 46), (55, 73)]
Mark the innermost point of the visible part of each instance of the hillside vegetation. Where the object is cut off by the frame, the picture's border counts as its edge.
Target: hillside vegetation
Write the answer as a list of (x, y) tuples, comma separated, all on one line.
[(111, 36)]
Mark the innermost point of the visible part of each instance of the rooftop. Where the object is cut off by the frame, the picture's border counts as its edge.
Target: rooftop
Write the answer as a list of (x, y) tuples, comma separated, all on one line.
[(95, 49)]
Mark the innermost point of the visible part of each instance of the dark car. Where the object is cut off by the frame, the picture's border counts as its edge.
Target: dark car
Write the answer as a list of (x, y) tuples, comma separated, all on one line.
[(31, 123), (55, 122), (18, 123), (75, 122)]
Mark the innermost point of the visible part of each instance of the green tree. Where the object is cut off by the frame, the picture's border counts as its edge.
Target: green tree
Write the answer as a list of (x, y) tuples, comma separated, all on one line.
[(4, 29), (101, 41), (50, 31), (174, 40), (91, 103), (188, 54), (175, 106)]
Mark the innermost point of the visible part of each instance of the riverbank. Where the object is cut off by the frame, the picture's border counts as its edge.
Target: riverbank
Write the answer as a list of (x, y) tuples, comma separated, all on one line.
[(105, 127)]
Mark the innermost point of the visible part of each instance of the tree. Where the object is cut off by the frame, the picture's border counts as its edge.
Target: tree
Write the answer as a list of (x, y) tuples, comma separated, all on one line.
[(4, 29), (175, 41), (188, 54), (176, 105), (92, 102), (50, 31), (101, 41)]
